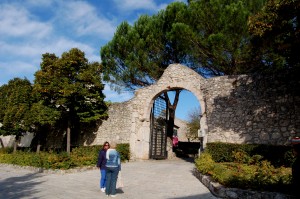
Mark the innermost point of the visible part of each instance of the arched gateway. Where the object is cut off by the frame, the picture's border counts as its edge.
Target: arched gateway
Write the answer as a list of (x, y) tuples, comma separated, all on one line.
[(176, 76)]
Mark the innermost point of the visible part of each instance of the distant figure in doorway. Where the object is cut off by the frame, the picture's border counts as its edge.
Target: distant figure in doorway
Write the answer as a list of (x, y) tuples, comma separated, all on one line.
[(296, 167), (101, 164), (113, 166), (175, 141)]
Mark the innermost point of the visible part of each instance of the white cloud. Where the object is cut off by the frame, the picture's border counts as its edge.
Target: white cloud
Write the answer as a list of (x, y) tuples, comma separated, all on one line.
[(16, 21), (21, 69), (40, 3), (20, 49), (132, 5), (37, 48), (83, 18), (18, 67)]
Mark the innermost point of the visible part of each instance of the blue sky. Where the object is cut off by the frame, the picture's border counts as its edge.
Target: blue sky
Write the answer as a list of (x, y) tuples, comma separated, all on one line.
[(30, 28)]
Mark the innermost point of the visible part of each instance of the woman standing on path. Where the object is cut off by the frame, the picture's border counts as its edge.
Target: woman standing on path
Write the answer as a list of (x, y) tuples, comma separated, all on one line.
[(101, 164), (113, 166)]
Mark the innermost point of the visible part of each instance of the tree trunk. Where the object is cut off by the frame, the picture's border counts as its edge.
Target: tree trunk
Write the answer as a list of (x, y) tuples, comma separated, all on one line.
[(1, 142), (16, 144), (68, 138), (171, 122), (172, 110), (38, 148)]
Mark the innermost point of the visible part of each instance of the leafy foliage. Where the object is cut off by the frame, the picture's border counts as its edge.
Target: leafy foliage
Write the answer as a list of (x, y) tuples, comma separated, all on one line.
[(228, 152), (16, 99), (137, 55), (69, 91), (71, 84), (198, 34), (218, 36), (260, 176), (79, 157), (276, 35)]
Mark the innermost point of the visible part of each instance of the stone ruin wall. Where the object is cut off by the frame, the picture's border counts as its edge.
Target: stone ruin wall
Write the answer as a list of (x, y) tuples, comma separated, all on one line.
[(244, 109), (116, 127), (235, 109)]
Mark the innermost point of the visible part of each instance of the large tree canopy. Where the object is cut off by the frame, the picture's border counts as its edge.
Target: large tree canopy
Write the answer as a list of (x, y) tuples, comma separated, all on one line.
[(71, 86), (211, 37)]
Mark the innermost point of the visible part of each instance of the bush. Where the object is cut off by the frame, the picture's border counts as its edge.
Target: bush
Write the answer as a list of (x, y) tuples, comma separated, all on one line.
[(277, 155), (80, 156), (124, 151), (244, 170), (6, 150), (85, 155)]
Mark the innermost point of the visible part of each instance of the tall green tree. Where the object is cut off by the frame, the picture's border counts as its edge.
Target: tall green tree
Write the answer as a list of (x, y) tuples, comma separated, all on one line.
[(16, 97), (72, 86)]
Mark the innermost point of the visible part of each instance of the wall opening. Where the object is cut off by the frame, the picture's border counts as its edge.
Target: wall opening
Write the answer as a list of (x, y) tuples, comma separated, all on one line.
[(169, 135)]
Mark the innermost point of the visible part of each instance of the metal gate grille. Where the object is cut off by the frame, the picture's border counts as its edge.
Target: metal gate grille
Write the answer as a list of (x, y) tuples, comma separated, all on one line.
[(158, 139)]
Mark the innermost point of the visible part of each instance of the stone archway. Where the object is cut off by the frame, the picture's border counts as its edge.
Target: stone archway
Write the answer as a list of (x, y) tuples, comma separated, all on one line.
[(176, 76)]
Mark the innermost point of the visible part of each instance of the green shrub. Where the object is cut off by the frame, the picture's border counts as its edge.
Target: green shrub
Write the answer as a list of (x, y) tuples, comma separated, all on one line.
[(85, 155), (6, 150), (80, 156), (256, 174), (204, 163), (124, 151), (277, 155)]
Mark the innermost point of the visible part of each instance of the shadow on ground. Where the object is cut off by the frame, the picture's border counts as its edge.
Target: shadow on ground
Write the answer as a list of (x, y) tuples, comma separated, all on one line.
[(19, 187), (203, 196)]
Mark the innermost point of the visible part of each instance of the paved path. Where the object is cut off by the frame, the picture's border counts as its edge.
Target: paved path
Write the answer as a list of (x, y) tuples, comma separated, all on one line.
[(153, 179)]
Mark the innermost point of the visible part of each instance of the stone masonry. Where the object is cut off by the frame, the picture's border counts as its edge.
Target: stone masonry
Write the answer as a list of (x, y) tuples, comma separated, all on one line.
[(235, 109)]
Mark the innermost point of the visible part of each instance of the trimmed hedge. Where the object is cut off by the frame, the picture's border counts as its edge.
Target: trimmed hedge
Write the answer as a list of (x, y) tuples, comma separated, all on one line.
[(79, 157), (276, 155)]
